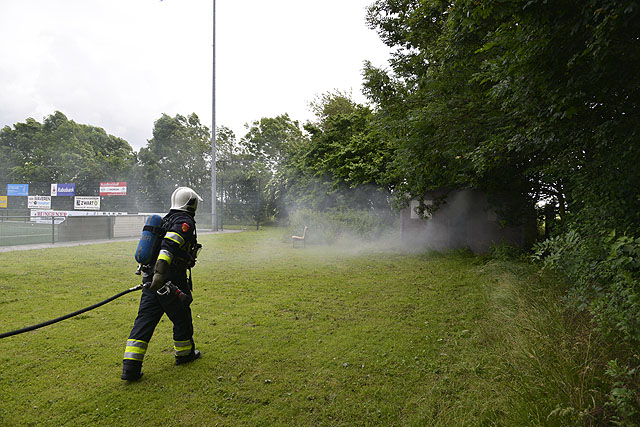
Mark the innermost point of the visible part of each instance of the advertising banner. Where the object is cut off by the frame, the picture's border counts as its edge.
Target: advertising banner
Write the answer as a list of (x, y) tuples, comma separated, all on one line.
[(39, 202), (17, 189), (42, 213), (45, 216), (86, 203), (36, 216), (63, 189), (113, 188), (3, 201)]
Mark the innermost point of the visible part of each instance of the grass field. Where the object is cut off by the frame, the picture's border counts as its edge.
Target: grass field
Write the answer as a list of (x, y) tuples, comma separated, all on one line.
[(294, 336)]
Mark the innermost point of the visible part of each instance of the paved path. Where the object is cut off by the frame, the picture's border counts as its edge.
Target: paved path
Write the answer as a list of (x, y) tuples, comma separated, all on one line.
[(89, 242)]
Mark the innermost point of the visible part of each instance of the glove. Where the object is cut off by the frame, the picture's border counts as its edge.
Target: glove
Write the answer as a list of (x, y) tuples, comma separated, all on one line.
[(160, 269), (157, 282)]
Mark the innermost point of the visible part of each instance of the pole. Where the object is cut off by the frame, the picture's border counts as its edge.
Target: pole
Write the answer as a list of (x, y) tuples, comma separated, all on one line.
[(258, 207), (214, 199)]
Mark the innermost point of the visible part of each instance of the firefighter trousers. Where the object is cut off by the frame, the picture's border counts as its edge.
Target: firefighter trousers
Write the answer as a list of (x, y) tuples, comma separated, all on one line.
[(152, 308)]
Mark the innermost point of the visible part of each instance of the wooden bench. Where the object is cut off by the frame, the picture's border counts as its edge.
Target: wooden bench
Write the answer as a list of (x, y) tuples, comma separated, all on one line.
[(300, 238)]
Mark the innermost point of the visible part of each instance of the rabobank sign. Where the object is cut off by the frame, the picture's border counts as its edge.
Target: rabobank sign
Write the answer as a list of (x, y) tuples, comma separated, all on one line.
[(63, 189)]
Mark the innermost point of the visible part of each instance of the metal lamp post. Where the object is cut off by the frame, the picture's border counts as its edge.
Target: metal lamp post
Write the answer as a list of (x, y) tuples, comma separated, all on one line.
[(214, 218)]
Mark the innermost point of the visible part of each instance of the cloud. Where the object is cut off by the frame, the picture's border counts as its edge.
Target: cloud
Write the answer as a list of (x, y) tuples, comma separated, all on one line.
[(119, 64)]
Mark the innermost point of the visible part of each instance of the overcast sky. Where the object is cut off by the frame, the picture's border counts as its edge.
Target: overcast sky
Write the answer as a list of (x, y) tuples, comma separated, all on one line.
[(120, 64)]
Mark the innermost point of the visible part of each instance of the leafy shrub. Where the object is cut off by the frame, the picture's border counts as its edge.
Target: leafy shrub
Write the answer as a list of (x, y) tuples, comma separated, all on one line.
[(605, 277), (622, 398)]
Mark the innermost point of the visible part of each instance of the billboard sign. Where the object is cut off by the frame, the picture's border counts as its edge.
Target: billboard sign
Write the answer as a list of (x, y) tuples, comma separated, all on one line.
[(39, 202), (17, 189), (86, 203), (48, 213), (42, 216), (3, 201), (113, 188), (63, 189)]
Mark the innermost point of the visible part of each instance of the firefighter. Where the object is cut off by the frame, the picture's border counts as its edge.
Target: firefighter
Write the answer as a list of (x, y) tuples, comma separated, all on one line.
[(164, 283)]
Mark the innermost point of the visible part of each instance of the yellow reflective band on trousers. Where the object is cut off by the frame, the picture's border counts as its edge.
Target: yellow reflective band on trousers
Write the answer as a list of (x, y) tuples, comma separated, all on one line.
[(135, 350), (182, 348)]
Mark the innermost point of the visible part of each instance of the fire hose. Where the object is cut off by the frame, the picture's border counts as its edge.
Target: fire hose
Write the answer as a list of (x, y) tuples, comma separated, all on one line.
[(168, 288), (67, 316)]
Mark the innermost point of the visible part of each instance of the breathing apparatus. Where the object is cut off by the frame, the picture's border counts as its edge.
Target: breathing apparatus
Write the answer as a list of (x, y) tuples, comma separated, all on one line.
[(154, 230), (149, 244)]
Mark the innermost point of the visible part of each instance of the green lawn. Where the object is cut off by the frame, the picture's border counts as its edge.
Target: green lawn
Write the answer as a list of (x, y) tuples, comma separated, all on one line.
[(289, 336)]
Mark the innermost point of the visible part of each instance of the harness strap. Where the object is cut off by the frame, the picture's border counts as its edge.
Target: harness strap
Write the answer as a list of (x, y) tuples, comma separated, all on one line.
[(154, 229)]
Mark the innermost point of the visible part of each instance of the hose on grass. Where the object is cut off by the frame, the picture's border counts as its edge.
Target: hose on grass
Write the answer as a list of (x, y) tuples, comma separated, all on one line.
[(67, 316)]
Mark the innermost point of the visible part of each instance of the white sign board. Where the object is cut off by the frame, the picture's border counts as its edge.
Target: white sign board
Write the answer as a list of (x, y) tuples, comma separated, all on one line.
[(50, 213), (48, 219), (39, 202), (113, 188), (86, 203)]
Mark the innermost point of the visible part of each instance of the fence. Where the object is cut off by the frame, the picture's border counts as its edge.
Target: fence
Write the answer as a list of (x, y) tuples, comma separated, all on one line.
[(20, 230), (239, 201)]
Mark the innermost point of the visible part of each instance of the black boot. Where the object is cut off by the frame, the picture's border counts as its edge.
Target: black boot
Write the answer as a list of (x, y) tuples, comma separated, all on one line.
[(189, 358), (131, 370)]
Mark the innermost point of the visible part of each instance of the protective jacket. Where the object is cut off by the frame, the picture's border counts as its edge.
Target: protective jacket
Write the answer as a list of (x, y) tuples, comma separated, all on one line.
[(178, 250), (178, 247)]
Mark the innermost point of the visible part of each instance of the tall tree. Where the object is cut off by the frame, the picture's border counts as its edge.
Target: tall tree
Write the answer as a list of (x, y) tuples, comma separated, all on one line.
[(345, 144), (271, 139), (343, 154), (179, 154), (269, 144), (61, 150), (237, 180), (527, 96)]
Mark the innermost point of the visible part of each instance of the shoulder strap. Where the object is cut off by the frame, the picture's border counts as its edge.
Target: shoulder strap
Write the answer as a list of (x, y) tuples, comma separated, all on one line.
[(155, 229)]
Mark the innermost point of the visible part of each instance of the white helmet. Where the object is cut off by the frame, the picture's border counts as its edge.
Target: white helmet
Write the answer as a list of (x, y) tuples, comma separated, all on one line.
[(185, 199)]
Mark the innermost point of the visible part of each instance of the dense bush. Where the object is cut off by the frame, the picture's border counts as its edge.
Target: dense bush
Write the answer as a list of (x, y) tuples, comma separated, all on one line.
[(605, 278), (605, 284)]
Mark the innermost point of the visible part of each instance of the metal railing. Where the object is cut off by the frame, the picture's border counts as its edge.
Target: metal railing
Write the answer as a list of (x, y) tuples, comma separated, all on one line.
[(23, 230)]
